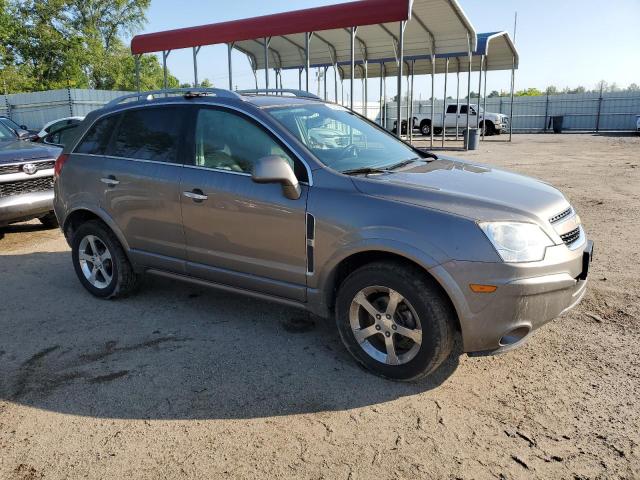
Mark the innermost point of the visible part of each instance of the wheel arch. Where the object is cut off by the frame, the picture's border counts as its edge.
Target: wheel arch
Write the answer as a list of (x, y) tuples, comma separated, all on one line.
[(355, 260), (80, 215)]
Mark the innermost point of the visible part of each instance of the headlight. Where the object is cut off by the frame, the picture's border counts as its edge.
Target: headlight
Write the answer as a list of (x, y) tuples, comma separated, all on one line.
[(517, 242)]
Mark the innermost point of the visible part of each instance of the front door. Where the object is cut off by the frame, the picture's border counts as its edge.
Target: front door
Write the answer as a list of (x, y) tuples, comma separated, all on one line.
[(238, 232)]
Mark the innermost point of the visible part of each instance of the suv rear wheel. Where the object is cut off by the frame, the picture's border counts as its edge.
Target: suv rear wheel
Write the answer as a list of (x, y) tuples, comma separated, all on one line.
[(100, 262), (394, 321)]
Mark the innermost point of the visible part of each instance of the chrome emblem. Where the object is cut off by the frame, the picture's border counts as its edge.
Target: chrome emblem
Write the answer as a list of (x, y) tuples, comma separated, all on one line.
[(29, 168)]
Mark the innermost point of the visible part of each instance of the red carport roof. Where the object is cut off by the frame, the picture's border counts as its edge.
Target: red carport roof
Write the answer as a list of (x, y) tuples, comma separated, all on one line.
[(354, 14)]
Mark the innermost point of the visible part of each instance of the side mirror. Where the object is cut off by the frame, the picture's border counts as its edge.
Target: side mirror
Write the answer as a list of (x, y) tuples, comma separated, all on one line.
[(275, 169)]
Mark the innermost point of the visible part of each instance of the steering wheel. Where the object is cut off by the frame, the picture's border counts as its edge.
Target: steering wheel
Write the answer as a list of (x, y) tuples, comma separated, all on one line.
[(350, 150)]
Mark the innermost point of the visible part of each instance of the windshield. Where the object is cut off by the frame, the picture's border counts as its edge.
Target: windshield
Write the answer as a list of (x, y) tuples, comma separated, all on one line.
[(5, 133), (341, 139)]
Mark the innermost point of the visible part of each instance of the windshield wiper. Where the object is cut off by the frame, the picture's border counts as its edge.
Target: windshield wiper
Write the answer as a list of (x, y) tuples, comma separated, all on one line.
[(404, 163), (364, 171)]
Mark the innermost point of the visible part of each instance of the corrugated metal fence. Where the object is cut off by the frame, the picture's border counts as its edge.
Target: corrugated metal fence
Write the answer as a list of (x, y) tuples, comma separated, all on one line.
[(613, 111), (37, 108)]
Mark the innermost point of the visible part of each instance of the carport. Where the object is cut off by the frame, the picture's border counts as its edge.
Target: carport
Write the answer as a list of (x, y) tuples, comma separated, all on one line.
[(495, 52), (358, 33)]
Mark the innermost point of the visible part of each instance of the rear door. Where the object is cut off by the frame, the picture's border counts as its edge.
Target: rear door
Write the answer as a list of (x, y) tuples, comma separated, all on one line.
[(238, 232), (451, 115), (139, 180)]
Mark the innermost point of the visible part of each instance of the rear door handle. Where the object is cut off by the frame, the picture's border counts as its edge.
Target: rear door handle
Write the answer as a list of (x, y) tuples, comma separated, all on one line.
[(196, 195), (110, 180)]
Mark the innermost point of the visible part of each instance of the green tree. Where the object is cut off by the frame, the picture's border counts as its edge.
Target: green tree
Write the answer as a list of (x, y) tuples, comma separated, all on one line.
[(529, 92), (47, 44), (633, 88), (494, 93)]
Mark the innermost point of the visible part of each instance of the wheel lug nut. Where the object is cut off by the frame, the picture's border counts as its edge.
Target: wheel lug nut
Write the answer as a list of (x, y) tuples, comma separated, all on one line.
[(377, 327), (378, 317), (394, 327), (387, 334)]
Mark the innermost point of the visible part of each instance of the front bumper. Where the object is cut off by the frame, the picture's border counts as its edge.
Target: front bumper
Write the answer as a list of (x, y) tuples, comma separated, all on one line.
[(26, 206), (528, 295)]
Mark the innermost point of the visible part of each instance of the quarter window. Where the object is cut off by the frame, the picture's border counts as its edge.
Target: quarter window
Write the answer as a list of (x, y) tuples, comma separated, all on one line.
[(149, 134), (97, 138), (227, 141)]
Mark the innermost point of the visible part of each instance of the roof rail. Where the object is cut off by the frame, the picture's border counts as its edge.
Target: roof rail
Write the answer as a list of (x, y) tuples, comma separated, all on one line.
[(279, 91), (185, 92)]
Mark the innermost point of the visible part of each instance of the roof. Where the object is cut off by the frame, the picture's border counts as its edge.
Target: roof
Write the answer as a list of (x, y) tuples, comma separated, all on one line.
[(439, 24), (497, 47)]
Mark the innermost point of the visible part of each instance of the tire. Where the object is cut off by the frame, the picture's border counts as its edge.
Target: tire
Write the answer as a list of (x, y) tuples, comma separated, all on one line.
[(425, 127), (437, 131), (490, 129), (434, 327), (49, 220), (115, 277)]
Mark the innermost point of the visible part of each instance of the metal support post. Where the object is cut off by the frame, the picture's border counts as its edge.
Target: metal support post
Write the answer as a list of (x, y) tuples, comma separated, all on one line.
[(165, 54), (325, 83), (196, 50), (138, 73), (458, 99), (266, 63), (513, 80), (469, 93), (307, 57), (353, 63), (546, 113), (484, 97), (479, 90), (433, 99), (599, 109), (400, 65), (365, 107), (381, 93), (444, 104), (230, 65), (410, 122)]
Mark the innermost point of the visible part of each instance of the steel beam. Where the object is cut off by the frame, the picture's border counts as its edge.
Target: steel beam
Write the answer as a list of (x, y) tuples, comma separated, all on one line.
[(469, 90), (410, 117), (266, 62), (479, 90), (381, 92)]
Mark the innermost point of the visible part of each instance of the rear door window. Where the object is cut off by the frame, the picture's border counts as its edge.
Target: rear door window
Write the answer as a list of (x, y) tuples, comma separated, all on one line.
[(452, 109), (96, 141), (150, 134)]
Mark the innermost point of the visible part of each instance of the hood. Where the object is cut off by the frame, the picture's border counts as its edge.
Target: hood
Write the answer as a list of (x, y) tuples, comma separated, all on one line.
[(13, 151), (474, 191)]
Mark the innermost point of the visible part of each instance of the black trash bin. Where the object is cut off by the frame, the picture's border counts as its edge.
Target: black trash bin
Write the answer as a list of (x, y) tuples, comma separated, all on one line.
[(557, 123), (471, 138)]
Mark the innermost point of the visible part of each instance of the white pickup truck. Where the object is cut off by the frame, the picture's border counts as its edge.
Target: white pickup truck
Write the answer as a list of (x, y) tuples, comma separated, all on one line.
[(495, 122)]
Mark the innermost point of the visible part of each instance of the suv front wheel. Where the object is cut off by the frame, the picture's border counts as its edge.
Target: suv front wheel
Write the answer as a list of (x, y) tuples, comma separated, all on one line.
[(395, 321), (101, 263)]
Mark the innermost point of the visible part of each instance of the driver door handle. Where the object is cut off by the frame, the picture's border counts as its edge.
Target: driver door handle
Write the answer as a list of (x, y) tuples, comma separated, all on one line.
[(196, 195)]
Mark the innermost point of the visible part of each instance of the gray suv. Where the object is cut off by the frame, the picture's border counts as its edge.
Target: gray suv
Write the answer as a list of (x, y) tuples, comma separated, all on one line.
[(303, 202)]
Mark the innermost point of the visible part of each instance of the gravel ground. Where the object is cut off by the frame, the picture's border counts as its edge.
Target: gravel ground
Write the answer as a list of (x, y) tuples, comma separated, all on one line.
[(184, 382)]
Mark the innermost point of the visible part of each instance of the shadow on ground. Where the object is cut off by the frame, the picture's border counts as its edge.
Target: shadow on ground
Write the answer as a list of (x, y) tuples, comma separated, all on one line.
[(173, 351)]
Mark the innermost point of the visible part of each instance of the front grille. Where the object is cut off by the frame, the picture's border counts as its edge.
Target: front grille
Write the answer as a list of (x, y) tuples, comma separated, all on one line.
[(561, 215), (41, 184), (7, 169), (570, 237)]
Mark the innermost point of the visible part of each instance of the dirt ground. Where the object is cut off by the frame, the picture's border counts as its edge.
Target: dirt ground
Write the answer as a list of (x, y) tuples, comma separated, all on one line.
[(184, 382)]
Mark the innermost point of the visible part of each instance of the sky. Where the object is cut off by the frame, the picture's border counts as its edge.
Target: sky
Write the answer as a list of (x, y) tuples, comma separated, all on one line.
[(561, 42)]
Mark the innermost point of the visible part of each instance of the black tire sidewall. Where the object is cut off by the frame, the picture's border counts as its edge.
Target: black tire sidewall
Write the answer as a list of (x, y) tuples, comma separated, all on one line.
[(97, 230), (429, 305)]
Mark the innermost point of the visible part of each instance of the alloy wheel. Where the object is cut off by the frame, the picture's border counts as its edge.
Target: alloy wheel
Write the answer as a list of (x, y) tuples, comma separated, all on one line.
[(96, 261), (385, 325)]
